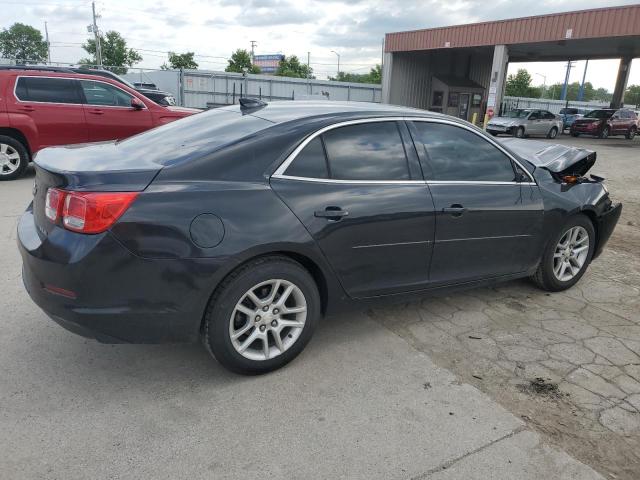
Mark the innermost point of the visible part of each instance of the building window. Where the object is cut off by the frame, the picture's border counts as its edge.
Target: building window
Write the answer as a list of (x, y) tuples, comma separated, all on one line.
[(437, 99), (453, 99), (477, 99)]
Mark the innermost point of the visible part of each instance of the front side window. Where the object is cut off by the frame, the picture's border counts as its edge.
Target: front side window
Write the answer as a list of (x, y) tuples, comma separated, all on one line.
[(103, 94), (47, 90), (549, 116), (367, 151), (456, 154)]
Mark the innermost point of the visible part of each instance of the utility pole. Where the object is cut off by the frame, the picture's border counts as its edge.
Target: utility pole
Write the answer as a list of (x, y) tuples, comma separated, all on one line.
[(308, 63), (333, 51), (96, 35), (544, 84), (570, 65), (46, 36), (254, 44), (584, 75)]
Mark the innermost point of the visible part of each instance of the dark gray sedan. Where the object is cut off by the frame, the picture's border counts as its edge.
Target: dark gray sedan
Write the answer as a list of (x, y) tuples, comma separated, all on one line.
[(526, 122), (243, 226)]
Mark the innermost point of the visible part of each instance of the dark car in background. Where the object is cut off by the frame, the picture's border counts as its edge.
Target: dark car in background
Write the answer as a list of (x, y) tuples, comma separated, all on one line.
[(243, 225), (606, 122)]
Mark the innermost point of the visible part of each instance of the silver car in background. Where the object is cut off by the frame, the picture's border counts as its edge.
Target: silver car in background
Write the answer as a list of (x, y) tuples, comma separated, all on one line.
[(523, 122)]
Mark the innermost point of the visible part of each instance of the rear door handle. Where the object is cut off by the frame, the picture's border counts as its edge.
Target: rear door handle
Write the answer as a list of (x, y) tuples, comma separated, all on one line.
[(97, 111), (331, 213), (27, 108), (456, 209)]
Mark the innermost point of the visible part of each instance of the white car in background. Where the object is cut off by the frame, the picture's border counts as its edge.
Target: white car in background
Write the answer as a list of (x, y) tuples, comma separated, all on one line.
[(523, 122)]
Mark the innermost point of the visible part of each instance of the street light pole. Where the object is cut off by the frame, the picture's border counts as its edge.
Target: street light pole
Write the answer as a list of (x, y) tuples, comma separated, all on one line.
[(544, 84), (96, 34), (338, 61)]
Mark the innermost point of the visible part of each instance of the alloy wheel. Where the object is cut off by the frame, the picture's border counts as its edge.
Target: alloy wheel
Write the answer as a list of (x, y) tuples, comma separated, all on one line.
[(605, 133), (9, 159), (268, 319), (571, 253)]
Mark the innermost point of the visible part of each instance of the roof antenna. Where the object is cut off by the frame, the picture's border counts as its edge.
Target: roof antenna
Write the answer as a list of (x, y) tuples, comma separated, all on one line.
[(247, 103)]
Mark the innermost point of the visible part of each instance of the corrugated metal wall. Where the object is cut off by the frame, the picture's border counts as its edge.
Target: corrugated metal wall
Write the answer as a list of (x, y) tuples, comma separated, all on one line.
[(601, 22), (204, 88), (411, 73)]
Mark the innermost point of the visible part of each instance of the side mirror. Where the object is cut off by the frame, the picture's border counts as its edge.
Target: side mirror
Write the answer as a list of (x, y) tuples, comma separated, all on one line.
[(137, 104)]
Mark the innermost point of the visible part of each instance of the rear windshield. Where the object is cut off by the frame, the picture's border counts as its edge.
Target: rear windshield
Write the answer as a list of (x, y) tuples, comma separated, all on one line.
[(212, 128), (569, 111), (599, 114)]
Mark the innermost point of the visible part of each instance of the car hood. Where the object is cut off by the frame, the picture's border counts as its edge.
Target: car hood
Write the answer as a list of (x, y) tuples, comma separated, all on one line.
[(562, 159), (505, 121)]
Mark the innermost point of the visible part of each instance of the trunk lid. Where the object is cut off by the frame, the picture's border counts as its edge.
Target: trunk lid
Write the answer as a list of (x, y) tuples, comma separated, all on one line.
[(559, 159), (96, 167)]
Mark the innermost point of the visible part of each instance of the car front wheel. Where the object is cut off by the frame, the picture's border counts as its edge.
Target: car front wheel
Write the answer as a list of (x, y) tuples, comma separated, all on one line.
[(604, 133), (262, 315), (567, 255), (553, 132), (520, 132), (632, 133), (14, 158)]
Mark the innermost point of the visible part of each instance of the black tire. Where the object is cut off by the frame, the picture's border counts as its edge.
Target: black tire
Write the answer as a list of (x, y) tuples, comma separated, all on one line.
[(631, 133), (230, 292), (553, 133), (604, 133), (519, 132), (544, 277), (23, 160), (574, 134), (495, 134)]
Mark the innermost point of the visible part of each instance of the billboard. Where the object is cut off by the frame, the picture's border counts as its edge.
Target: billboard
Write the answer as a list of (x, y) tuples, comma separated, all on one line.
[(268, 63)]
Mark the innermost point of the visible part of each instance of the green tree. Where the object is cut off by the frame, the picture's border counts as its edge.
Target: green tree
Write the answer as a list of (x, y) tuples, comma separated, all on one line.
[(602, 95), (240, 62), (632, 95), (519, 85), (115, 54), (291, 67), (374, 76), (180, 60), (23, 43), (554, 92)]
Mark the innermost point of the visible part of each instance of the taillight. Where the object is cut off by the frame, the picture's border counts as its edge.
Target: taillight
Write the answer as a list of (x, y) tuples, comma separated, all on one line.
[(53, 204), (94, 212)]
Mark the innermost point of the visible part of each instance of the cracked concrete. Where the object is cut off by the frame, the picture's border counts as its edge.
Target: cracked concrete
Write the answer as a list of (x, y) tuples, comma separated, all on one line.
[(586, 340)]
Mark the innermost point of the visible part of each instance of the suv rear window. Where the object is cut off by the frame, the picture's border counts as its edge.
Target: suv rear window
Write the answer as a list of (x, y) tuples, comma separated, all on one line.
[(49, 90)]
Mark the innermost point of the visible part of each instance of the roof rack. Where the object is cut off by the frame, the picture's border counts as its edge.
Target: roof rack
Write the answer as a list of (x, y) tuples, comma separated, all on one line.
[(38, 68)]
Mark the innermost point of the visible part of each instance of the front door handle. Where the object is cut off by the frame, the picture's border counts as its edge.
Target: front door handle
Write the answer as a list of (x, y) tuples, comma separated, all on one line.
[(97, 111), (27, 108), (331, 213), (455, 210)]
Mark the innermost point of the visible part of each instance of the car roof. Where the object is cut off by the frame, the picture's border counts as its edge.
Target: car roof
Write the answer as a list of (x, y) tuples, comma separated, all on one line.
[(287, 110)]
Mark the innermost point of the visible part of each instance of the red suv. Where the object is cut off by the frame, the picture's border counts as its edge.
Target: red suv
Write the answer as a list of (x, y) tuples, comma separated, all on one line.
[(42, 108), (606, 122)]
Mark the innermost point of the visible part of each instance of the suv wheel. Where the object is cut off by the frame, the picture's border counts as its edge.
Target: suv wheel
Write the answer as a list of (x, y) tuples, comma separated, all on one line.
[(632, 133), (604, 133), (567, 256), (262, 315), (14, 158)]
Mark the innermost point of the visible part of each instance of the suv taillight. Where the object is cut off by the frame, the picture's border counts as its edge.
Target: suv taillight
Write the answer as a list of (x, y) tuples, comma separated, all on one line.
[(87, 212)]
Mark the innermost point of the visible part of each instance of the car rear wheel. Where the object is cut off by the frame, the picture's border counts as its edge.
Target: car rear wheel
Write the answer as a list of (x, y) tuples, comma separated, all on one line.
[(604, 133), (632, 133), (519, 132), (574, 134), (553, 133), (567, 255), (262, 316), (14, 158)]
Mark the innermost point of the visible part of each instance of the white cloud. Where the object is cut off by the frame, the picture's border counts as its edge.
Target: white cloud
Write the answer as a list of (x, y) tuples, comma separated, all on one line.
[(215, 28)]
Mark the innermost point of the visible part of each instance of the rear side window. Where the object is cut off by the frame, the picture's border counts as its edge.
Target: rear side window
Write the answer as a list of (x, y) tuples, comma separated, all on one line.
[(456, 154), (98, 93), (310, 162), (549, 115), (368, 151), (49, 90)]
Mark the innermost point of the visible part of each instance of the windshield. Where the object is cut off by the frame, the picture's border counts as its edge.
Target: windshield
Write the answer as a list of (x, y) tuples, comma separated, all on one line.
[(569, 111), (599, 114), (518, 113)]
